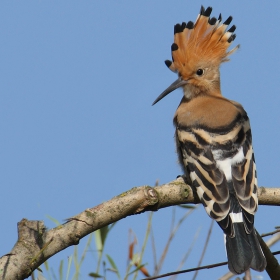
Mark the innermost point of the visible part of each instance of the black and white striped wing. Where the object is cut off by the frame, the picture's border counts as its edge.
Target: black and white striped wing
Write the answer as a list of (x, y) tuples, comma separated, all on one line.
[(244, 177), (206, 177), (221, 167)]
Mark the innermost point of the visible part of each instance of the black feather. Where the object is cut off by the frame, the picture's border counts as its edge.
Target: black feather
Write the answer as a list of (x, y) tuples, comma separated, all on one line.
[(177, 28), (190, 25), (174, 47), (228, 20), (244, 251), (212, 21), (183, 26), (202, 10), (207, 12), (231, 38), (168, 63), (232, 29), (258, 262), (239, 250)]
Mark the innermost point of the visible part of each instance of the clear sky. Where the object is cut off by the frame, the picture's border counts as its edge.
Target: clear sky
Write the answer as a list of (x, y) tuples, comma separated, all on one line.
[(77, 80)]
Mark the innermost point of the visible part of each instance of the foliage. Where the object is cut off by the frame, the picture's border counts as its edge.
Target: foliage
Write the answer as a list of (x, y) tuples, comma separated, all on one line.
[(105, 263)]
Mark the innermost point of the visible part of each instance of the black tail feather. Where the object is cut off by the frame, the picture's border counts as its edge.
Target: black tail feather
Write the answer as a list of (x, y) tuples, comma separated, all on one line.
[(258, 262), (239, 250), (244, 251)]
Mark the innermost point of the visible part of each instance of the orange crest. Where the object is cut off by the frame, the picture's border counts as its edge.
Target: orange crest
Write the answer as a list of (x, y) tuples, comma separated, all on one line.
[(206, 40)]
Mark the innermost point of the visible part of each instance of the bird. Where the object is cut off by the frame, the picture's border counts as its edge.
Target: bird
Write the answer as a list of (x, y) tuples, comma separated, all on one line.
[(213, 136)]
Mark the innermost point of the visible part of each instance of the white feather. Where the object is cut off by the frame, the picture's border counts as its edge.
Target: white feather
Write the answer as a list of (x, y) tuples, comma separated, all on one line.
[(225, 164), (236, 217)]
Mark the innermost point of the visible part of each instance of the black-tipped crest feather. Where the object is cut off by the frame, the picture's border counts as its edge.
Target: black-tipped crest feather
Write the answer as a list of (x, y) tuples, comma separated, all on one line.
[(207, 39), (174, 47), (168, 63), (207, 12), (212, 21), (202, 10), (190, 25), (228, 20), (232, 29), (231, 38), (177, 28)]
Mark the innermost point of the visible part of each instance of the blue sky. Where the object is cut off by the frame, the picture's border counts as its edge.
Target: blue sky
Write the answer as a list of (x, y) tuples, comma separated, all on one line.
[(77, 127)]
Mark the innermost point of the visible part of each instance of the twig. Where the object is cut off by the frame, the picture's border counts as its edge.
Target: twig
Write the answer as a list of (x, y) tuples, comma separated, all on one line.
[(270, 233), (205, 247), (185, 271), (144, 245), (247, 275), (194, 269), (154, 249), (188, 252), (275, 238), (171, 236)]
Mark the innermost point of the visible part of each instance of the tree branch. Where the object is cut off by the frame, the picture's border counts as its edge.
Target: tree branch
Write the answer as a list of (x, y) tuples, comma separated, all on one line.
[(36, 244), (272, 268)]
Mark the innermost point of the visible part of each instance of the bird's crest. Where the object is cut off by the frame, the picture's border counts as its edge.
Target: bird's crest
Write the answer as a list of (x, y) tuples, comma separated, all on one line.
[(205, 40)]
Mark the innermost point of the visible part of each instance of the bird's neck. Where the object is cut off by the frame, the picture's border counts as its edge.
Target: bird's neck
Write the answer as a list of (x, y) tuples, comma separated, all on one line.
[(191, 91)]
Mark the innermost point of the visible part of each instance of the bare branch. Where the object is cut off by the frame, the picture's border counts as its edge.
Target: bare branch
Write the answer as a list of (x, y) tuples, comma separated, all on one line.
[(174, 229), (272, 268), (204, 248), (36, 244), (270, 233), (211, 266)]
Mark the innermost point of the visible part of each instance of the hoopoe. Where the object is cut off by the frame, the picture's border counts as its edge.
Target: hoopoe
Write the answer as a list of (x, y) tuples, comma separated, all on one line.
[(213, 137)]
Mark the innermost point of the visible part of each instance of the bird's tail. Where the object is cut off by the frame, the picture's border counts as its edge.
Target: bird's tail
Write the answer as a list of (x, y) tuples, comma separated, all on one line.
[(244, 251)]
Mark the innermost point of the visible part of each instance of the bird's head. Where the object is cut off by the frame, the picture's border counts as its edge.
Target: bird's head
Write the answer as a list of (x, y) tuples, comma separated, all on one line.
[(197, 52)]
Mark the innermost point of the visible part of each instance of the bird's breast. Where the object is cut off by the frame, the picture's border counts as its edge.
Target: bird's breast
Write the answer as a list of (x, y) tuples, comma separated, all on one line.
[(206, 111)]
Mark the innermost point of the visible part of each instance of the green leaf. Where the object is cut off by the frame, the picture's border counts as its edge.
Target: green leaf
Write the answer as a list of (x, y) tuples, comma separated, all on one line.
[(103, 233), (112, 263), (61, 270), (95, 275), (46, 265), (136, 269), (98, 242), (100, 236), (68, 267)]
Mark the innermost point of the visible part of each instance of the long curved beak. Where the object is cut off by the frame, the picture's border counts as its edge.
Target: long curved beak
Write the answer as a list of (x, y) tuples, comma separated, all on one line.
[(178, 83)]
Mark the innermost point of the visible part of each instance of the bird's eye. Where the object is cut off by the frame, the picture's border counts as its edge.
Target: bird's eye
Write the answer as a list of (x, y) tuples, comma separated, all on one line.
[(199, 72)]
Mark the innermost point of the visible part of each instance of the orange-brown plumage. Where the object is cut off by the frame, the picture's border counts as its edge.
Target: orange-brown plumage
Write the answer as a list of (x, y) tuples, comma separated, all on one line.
[(203, 41), (213, 137), (206, 110)]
